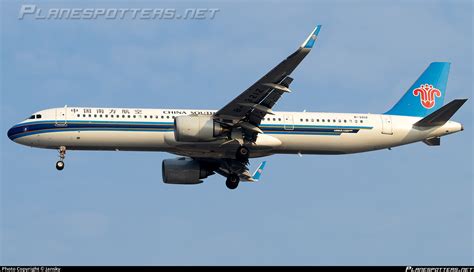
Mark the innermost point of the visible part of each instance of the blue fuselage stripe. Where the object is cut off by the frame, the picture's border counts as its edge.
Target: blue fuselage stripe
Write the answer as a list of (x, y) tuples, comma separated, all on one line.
[(31, 128)]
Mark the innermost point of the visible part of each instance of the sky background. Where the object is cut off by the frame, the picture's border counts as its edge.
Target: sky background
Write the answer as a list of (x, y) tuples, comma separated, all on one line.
[(411, 205)]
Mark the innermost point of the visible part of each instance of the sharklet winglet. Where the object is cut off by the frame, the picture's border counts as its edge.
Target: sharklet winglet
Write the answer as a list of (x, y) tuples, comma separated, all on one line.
[(309, 42), (256, 175)]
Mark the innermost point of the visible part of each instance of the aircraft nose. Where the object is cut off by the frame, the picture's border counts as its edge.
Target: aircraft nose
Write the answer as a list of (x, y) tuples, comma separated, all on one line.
[(11, 133)]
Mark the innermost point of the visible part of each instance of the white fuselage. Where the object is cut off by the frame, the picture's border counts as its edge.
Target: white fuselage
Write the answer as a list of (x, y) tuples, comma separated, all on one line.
[(284, 133)]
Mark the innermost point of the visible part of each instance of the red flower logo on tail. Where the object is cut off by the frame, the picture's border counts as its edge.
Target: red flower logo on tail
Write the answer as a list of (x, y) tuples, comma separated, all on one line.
[(427, 95)]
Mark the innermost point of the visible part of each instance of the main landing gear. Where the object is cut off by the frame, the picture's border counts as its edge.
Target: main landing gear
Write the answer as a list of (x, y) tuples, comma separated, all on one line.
[(242, 154), (232, 181), (62, 155)]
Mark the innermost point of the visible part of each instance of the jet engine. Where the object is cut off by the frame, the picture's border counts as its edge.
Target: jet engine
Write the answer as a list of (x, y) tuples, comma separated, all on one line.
[(197, 128), (184, 171)]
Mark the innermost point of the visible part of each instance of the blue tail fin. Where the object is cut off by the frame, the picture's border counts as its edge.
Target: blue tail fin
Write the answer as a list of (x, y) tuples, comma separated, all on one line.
[(425, 95)]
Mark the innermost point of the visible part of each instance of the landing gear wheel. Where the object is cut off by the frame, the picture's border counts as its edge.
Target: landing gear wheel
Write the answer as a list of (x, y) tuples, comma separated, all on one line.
[(60, 165), (242, 154), (232, 182), (62, 156)]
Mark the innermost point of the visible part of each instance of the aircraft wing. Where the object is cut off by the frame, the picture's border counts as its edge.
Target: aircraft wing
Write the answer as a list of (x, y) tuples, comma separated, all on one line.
[(250, 107)]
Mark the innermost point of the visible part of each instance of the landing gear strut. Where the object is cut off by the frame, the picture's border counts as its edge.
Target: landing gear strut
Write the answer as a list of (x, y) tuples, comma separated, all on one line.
[(242, 154), (62, 155), (232, 181)]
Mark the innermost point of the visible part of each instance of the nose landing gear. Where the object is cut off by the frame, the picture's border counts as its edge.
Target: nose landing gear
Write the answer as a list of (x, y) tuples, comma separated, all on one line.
[(62, 155)]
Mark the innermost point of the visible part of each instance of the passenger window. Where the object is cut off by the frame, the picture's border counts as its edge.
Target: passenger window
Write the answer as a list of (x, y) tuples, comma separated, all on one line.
[(95, 115), (317, 120), (329, 120), (279, 119), (301, 120), (100, 116), (90, 115), (134, 116), (355, 121), (339, 120), (307, 120), (312, 120), (106, 116), (128, 116), (83, 115), (345, 121), (78, 115), (361, 121), (145, 116), (322, 120)]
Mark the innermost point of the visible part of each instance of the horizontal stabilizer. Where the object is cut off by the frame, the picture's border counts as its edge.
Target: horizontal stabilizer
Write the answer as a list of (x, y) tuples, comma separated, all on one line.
[(433, 141), (442, 115)]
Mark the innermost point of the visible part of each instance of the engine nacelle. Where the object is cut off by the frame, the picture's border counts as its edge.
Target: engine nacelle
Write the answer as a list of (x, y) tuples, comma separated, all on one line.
[(183, 171), (196, 128)]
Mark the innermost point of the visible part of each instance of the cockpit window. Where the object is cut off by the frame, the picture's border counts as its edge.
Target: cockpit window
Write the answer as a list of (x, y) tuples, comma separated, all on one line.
[(38, 116), (32, 117)]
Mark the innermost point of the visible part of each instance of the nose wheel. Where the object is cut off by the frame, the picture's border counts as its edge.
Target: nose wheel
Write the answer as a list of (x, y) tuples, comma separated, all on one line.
[(232, 181), (62, 156), (60, 165)]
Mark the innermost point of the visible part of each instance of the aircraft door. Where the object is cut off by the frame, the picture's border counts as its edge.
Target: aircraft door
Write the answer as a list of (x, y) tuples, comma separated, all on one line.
[(61, 117), (289, 125), (387, 124)]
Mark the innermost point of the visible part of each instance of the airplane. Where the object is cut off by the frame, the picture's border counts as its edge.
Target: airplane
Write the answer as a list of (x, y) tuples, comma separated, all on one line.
[(222, 141)]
